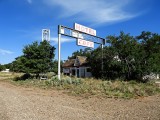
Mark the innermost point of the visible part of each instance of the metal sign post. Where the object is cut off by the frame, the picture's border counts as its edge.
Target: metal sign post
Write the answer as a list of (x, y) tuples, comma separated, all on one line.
[(81, 33), (59, 52), (102, 61)]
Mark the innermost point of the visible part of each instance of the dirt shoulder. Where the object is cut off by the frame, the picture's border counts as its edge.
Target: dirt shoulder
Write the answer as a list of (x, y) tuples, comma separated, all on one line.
[(17, 103)]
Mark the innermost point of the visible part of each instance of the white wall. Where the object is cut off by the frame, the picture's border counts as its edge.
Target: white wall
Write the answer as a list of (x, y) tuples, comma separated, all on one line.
[(82, 71), (87, 74)]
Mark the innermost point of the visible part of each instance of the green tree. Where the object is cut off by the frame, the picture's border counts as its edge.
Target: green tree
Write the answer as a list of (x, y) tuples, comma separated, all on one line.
[(38, 57), (111, 65), (54, 66), (126, 47), (86, 52), (7, 66), (149, 57), (2, 67), (126, 56), (18, 64)]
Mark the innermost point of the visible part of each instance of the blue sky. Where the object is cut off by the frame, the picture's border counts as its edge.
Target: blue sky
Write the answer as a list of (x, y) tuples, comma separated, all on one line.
[(21, 21)]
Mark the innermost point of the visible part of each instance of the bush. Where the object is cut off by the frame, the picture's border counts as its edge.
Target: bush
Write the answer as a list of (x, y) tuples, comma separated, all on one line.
[(54, 81), (50, 75), (23, 77), (87, 87)]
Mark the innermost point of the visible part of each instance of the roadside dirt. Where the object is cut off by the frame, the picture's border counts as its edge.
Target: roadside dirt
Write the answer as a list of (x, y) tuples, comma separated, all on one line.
[(18, 103)]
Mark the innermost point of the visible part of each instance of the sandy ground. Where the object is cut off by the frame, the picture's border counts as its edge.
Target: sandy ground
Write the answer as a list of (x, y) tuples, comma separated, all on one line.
[(18, 103)]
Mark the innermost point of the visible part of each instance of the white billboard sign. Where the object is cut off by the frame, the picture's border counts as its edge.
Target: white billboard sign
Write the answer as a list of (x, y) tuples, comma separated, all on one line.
[(84, 29), (85, 43)]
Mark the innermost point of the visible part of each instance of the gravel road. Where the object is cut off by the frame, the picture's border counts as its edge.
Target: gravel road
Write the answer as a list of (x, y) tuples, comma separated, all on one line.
[(18, 103)]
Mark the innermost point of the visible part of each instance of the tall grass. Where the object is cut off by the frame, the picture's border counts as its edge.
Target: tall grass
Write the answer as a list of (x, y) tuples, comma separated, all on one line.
[(118, 89), (89, 87)]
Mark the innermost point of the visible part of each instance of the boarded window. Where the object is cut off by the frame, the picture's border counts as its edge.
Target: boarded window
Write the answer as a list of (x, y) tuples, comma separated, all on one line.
[(88, 69)]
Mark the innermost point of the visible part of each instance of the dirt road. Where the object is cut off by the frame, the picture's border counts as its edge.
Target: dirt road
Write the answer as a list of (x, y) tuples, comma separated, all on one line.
[(18, 103)]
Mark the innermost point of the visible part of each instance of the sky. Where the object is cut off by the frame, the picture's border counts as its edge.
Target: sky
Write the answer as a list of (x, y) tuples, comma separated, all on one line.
[(22, 21)]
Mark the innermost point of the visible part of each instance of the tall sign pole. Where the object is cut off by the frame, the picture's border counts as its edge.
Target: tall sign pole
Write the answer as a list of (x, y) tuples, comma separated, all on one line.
[(59, 52), (102, 60)]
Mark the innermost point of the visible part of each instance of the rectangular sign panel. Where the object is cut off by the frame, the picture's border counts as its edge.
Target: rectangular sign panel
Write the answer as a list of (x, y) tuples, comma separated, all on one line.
[(85, 43), (62, 30), (74, 34), (84, 29)]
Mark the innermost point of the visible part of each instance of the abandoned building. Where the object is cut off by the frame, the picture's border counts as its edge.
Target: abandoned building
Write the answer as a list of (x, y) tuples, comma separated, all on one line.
[(78, 67)]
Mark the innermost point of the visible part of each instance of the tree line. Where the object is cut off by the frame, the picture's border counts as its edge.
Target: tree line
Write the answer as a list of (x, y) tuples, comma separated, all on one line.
[(124, 57)]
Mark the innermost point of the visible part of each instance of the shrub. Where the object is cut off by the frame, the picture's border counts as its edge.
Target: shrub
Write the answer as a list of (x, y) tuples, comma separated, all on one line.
[(50, 75), (66, 83), (77, 81), (87, 87), (23, 77), (54, 81)]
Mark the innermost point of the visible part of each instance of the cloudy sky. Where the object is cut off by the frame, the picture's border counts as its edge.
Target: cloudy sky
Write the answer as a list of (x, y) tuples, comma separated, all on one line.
[(22, 21)]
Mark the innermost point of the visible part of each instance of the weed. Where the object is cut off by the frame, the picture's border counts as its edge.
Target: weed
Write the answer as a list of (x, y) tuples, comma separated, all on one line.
[(87, 87)]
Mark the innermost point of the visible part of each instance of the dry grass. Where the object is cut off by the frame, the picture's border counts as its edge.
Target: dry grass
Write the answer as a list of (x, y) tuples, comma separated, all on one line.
[(89, 86)]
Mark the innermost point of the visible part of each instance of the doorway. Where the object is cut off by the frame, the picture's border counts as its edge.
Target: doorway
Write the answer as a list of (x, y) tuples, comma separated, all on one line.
[(77, 72)]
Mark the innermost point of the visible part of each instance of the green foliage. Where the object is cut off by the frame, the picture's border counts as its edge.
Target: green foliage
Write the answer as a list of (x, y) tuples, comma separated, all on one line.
[(2, 67), (86, 52), (118, 89), (127, 57), (50, 75), (5, 66), (18, 64), (88, 87), (37, 58), (126, 48), (54, 66), (23, 77), (54, 81), (150, 52)]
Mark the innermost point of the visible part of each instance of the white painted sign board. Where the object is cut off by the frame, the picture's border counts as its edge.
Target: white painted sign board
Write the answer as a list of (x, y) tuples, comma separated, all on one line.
[(84, 29), (62, 30), (85, 43)]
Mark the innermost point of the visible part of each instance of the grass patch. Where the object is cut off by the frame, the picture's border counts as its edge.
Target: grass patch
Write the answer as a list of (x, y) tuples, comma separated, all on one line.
[(116, 89), (89, 87)]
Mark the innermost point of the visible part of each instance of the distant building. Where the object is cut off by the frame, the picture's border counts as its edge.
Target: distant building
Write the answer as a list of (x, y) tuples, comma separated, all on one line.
[(6, 70), (78, 67)]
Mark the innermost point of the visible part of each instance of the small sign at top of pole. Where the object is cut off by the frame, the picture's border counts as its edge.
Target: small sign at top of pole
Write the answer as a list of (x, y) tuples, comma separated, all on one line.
[(46, 35), (84, 29)]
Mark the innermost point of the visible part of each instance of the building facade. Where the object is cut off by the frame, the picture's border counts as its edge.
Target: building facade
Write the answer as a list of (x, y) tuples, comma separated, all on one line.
[(78, 67)]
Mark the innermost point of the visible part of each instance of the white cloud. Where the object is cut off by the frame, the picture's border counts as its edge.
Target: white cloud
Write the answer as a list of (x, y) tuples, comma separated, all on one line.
[(5, 52), (95, 11), (63, 40), (29, 1)]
